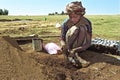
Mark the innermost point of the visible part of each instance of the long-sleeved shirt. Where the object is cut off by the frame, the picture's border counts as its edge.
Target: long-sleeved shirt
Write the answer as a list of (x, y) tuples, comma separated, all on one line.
[(81, 37), (67, 24)]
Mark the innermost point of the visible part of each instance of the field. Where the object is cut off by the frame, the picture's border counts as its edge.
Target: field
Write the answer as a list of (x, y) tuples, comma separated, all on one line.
[(104, 26), (21, 62)]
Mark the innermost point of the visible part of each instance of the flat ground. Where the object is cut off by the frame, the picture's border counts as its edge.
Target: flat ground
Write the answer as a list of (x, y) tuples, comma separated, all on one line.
[(20, 62)]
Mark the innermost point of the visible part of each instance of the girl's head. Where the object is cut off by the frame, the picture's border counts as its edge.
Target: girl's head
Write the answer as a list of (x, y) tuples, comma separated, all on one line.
[(76, 8)]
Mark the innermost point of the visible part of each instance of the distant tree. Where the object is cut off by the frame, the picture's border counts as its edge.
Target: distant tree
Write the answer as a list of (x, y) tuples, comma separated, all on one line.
[(56, 13), (5, 12), (62, 13), (1, 12), (51, 14)]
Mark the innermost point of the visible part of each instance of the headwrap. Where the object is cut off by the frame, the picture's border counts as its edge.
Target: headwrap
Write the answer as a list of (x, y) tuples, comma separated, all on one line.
[(75, 7)]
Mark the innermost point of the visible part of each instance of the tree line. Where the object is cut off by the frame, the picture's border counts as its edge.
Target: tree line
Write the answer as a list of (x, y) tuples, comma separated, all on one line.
[(4, 12), (56, 13)]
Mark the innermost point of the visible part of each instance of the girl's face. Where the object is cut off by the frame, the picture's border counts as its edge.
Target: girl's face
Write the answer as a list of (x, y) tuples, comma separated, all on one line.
[(74, 17)]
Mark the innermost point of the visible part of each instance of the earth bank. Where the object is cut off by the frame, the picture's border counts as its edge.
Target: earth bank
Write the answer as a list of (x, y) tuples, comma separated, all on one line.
[(20, 62)]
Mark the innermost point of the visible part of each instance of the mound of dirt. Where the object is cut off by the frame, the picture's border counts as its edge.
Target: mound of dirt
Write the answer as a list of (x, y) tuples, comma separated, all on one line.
[(15, 64), (18, 64), (102, 67)]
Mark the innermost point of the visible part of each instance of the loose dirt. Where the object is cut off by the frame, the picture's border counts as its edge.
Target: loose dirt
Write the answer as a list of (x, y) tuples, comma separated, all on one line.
[(20, 62)]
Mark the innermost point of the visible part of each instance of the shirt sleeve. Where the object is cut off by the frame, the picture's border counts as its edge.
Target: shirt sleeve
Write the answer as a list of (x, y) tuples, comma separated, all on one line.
[(64, 30), (89, 27)]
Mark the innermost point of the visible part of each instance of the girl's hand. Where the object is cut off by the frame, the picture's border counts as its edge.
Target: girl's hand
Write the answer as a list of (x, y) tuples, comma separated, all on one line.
[(72, 52)]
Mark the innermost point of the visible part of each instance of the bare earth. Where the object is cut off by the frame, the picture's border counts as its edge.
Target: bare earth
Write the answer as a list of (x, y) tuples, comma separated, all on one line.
[(20, 62)]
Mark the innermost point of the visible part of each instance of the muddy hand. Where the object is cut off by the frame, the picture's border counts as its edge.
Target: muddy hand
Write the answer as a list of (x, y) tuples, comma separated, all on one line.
[(72, 53), (65, 50)]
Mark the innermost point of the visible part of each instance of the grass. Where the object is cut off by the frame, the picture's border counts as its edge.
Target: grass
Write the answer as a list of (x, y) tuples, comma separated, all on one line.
[(104, 26), (52, 18)]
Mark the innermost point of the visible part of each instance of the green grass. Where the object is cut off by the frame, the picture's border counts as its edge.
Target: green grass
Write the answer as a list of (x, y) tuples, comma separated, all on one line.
[(104, 26), (107, 26), (52, 18)]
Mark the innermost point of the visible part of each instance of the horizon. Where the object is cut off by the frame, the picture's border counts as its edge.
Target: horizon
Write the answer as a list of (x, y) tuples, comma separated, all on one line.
[(44, 7)]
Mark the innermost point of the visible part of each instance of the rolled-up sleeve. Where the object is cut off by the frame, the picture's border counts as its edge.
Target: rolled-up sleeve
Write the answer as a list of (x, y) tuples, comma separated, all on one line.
[(89, 27), (64, 30)]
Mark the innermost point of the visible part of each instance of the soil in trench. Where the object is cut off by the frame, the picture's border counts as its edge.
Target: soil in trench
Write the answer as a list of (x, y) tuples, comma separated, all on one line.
[(20, 62)]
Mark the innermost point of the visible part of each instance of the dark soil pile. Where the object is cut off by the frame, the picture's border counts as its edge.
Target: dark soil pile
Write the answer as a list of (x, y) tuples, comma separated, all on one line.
[(21, 63), (15, 64)]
